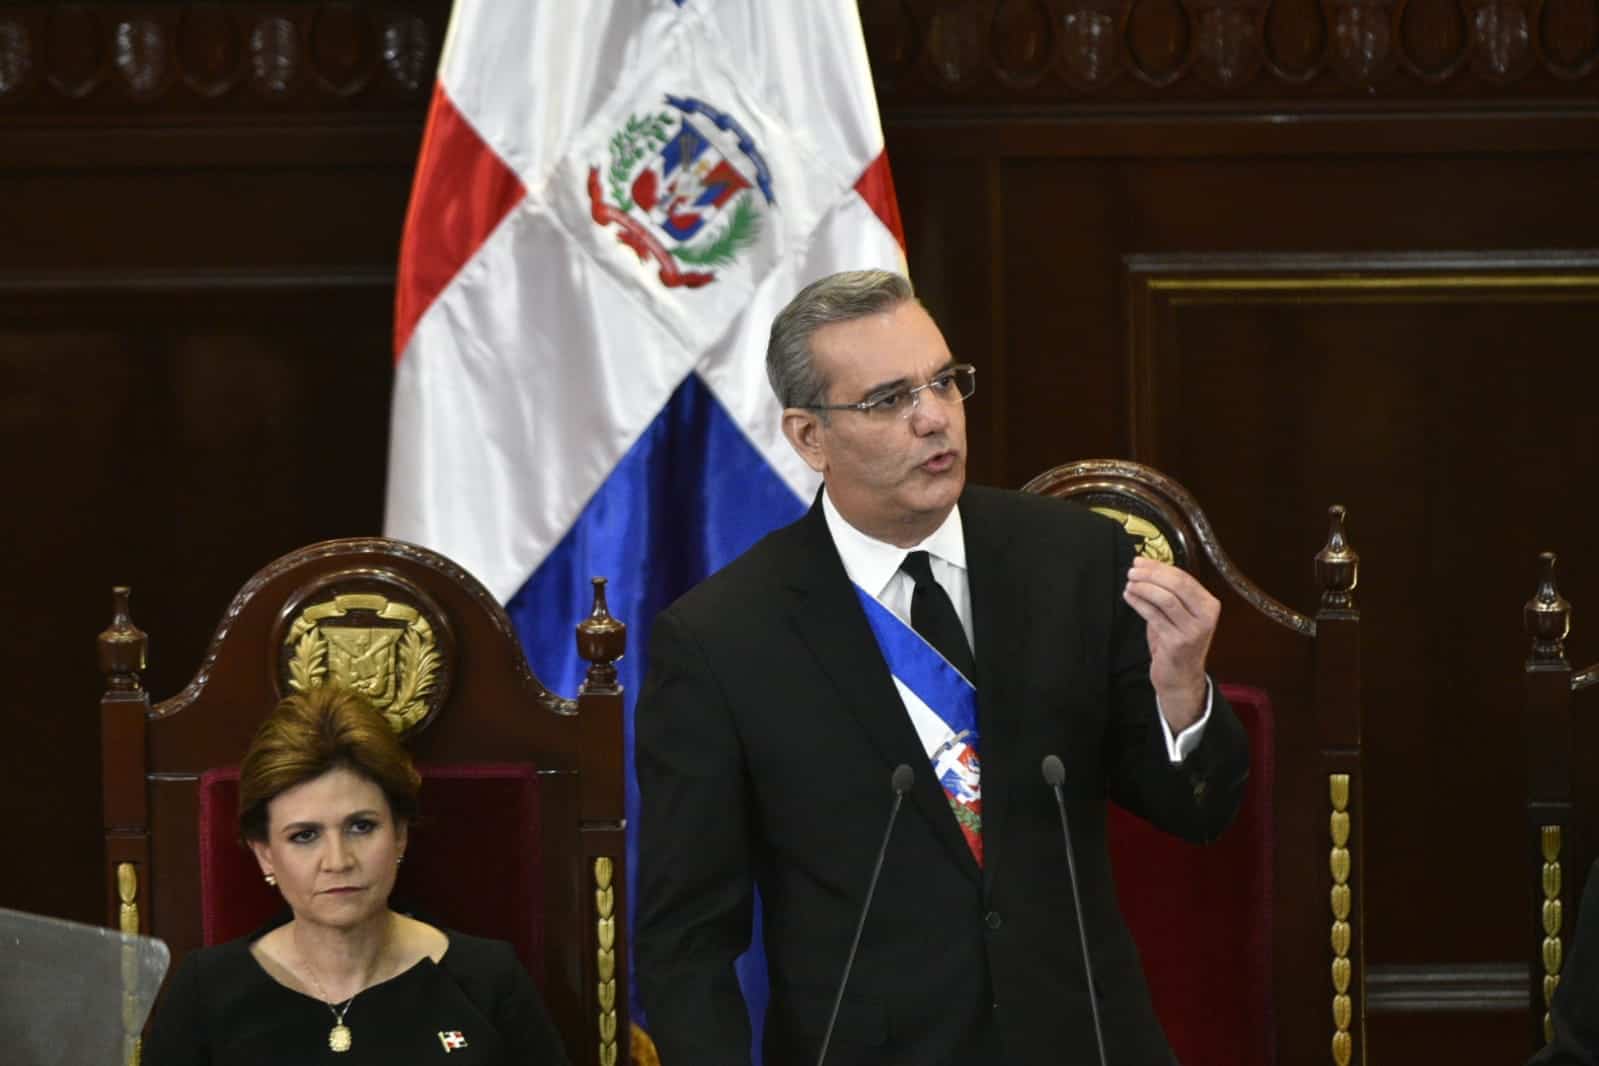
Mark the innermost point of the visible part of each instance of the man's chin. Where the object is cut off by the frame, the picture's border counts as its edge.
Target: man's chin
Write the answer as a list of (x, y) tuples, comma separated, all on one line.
[(940, 492)]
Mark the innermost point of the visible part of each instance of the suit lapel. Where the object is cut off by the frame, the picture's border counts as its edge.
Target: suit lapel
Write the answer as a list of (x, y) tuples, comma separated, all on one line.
[(830, 621), (1000, 629)]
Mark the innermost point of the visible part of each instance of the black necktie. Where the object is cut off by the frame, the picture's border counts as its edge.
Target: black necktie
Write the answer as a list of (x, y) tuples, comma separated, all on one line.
[(934, 617)]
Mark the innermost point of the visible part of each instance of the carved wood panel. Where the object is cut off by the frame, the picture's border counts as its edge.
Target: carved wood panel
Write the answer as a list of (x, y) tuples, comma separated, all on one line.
[(109, 58), (84, 59), (1053, 51)]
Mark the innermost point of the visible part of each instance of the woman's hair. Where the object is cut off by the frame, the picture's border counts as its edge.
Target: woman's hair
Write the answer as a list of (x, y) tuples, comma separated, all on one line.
[(310, 733)]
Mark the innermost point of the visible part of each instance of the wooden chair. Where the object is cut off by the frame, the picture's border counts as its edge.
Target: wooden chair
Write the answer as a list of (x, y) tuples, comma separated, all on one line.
[(1561, 843), (1252, 943), (521, 835)]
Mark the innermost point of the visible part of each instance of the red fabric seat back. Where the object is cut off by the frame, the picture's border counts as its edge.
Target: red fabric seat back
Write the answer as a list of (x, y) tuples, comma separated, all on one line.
[(1202, 915), (472, 862)]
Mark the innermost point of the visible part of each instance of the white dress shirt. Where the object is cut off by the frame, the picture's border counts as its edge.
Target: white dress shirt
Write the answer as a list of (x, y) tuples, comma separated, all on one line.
[(874, 565)]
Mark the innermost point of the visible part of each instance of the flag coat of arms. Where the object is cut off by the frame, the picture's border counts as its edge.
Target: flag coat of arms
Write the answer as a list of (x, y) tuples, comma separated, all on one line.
[(611, 203)]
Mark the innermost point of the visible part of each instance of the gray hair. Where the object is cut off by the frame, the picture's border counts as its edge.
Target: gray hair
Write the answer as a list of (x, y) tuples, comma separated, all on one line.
[(841, 297)]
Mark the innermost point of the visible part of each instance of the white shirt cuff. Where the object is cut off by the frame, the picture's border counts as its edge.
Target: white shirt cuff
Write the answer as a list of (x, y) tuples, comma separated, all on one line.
[(1178, 747)]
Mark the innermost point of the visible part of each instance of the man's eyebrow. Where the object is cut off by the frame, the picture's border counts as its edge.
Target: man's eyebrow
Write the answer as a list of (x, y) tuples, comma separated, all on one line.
[(887, 387), (901, 383)]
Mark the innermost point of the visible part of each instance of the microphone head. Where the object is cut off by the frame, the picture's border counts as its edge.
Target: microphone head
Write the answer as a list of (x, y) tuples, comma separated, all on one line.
[(903, 779), (1054, 772)]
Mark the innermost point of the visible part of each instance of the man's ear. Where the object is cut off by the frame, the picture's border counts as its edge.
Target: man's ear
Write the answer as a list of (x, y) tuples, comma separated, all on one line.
[(804, 431)]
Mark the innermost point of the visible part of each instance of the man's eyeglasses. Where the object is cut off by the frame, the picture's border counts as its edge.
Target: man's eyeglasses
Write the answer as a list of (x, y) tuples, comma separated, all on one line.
[(952, 385)]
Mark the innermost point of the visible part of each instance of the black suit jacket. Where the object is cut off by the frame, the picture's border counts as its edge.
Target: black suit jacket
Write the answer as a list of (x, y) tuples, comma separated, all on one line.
[(766, 735)]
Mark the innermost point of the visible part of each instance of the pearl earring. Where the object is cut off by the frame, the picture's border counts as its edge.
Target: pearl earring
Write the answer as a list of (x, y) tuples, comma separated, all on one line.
[(271, 880)]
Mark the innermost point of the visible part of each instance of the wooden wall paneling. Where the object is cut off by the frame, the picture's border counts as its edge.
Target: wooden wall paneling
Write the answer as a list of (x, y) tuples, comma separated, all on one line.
[(168, 433), (952, 211), (200, 209), (1410, 388), (1066, 389)]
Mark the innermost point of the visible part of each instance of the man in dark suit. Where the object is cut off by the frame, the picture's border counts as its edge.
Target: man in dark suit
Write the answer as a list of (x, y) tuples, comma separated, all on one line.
[(783, 691)]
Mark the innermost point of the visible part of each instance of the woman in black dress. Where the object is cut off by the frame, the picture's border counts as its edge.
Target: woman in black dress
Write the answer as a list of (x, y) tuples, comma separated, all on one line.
[(326, 795)]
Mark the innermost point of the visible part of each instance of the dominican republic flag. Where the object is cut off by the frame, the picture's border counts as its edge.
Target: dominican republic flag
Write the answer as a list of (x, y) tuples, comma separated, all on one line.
[(612, 202)]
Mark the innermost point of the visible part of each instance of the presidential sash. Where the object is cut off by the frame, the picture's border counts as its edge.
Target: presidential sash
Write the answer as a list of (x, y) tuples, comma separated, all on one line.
[(942, 705)]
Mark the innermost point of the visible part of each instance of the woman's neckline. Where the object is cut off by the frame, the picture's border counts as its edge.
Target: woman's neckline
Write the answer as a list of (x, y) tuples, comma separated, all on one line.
[(298, 988)]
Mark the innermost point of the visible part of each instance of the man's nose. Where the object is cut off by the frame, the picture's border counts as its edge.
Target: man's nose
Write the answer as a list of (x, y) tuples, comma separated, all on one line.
[(928, 413)]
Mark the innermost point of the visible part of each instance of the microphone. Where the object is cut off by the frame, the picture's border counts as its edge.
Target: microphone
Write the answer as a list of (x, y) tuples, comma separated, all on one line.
[(901, 781), (1055, 777)]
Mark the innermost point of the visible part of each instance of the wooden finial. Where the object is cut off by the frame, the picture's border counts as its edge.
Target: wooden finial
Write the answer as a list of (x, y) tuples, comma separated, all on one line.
[(122, 646), (601, 640), (1547, 616), (1337, 565)]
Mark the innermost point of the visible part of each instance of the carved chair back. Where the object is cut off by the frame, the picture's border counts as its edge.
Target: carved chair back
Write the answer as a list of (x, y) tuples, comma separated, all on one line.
[(1561, 843), (437, 655), (1252, 946)]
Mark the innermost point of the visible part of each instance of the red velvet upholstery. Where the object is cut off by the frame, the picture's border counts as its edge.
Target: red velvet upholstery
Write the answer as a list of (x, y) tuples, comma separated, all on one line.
[(472, 862), (1202, 915)]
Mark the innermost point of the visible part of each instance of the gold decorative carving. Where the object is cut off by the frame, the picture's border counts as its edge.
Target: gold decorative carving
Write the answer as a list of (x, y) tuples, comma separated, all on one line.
[(1152, 543), (1553, 918), (1339, 864), (128, 922), (605, 957), (128, 897), (393, 660)]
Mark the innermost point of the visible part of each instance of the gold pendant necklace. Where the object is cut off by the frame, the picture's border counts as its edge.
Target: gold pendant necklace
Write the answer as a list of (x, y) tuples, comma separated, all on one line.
[(339, 1038), (339, 1035)]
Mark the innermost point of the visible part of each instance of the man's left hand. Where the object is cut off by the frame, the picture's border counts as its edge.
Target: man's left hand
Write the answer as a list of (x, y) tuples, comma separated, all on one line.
[(1181, 615)]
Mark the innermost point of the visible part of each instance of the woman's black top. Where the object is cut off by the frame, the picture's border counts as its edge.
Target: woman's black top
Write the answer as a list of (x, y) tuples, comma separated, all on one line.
[(475, 1007)]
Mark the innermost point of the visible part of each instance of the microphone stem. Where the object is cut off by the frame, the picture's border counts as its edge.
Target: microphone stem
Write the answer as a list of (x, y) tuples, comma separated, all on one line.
[(1082, 929), (849, 961)]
